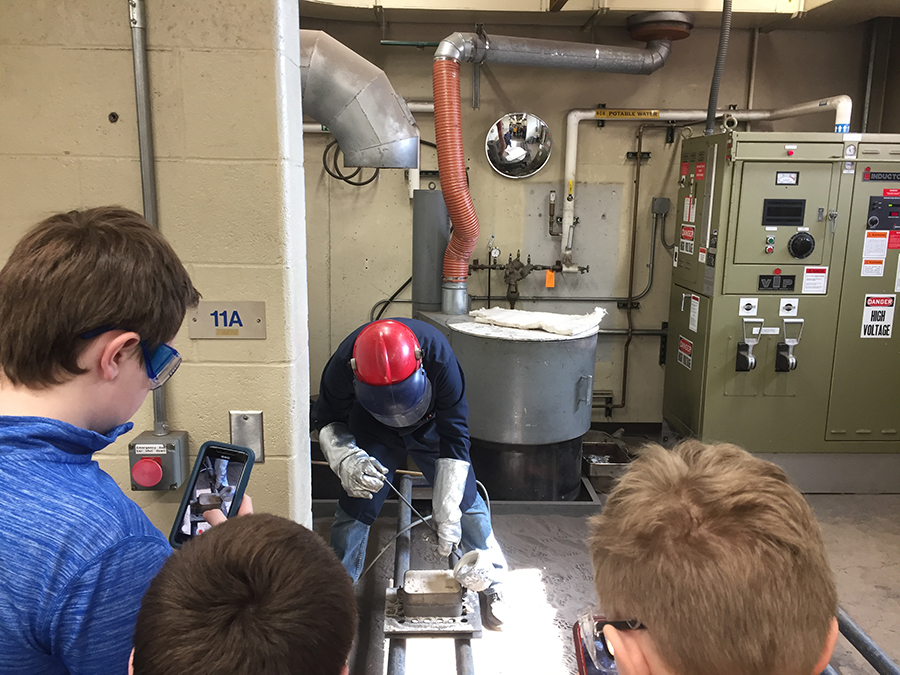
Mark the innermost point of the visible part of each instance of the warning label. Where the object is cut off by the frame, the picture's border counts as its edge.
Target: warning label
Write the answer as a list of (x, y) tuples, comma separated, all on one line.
[(878, 316), (685, 168), (700, 171), (872, 267), (685, 352), (150, 449), (815, 280), (613, 114), (687, 240), (690, 209), (894, 239), (876, 245)]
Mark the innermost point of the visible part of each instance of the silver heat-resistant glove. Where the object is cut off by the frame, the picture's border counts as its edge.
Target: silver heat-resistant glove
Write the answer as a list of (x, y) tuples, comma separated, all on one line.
[(449, 484), (361, 474)]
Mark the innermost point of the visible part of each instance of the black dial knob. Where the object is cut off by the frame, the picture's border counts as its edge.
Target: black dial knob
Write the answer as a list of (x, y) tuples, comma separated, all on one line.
[(873, 222), (801, 245)]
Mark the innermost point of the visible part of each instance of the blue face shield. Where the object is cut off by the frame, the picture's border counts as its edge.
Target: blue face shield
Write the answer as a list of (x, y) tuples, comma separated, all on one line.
[(396, 405)]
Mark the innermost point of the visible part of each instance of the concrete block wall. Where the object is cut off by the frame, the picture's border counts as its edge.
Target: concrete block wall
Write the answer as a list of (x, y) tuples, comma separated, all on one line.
[(226, 115), (360, 238)]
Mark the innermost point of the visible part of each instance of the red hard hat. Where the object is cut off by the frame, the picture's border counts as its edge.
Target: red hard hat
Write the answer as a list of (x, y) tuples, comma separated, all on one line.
[(385, 352)]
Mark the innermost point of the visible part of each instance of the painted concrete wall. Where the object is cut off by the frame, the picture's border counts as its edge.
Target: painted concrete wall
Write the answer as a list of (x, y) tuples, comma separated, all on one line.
[(226, 115), (360, 238)]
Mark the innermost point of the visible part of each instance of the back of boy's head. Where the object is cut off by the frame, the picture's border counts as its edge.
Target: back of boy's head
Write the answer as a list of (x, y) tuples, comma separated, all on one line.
[(81, 271), (256, 595), (720, 557)]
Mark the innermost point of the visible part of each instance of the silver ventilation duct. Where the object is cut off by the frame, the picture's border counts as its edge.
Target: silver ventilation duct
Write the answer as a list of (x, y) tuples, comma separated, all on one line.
[(518, 51), (354, 99)]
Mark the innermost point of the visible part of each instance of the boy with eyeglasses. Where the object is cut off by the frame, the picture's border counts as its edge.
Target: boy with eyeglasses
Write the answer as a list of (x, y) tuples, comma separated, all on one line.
[(708, 561), (89, 304)]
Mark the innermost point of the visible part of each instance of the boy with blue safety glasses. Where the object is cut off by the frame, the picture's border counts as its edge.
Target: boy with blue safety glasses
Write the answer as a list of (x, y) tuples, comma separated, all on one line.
[(89, 304)]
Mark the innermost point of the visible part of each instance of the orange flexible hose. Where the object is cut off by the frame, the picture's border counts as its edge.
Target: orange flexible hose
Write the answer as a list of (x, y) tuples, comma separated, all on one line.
[(452, 169)]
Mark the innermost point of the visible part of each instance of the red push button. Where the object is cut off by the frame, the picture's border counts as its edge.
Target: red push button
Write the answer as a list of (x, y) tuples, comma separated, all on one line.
[(147, 472)]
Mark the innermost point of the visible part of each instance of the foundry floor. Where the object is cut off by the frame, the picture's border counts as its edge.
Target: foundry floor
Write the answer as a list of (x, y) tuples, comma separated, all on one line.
[(550, 580)]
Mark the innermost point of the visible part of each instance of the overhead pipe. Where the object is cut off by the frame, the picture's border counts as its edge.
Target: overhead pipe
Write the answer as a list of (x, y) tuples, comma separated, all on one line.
[(355, 101), (719, 68), (656, 28)]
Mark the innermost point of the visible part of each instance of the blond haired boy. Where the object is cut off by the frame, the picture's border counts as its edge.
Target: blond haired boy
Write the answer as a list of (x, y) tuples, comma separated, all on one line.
[(711, 563)]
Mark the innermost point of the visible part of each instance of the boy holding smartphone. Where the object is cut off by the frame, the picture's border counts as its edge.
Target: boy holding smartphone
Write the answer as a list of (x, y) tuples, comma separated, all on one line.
[(256, 594), (708, 561), (89, 302)]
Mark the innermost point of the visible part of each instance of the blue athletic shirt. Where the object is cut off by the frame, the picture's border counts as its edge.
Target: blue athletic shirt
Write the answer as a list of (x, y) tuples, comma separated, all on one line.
[(76, 554)]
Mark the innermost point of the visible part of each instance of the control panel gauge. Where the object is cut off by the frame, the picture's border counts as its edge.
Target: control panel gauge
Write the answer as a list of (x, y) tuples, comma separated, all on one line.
[(787, 178)]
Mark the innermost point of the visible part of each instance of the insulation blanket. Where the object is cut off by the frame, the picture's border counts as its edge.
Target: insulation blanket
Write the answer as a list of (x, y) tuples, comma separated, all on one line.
[(559, 324)]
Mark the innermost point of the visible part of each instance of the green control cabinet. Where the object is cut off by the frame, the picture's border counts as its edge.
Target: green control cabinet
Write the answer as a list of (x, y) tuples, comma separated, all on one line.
[(781, 317)]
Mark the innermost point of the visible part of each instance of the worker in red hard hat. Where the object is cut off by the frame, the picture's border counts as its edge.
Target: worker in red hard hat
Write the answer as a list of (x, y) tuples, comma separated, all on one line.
[(392, 389)]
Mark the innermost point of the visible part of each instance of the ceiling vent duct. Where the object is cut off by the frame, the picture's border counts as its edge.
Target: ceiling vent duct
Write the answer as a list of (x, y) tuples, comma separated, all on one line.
[(354, 99)]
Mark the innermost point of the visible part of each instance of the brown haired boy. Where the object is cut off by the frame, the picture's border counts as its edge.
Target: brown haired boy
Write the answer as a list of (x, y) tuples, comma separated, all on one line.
[(89, 301), (256, 595), (711, 563)]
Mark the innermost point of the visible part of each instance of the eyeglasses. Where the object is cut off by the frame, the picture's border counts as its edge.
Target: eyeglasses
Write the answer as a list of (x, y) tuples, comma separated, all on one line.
[(629, 624), (160, 363)]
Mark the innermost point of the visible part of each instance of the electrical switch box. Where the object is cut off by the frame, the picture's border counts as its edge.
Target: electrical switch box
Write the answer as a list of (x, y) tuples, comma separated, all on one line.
[(158, 462), (781, 335)]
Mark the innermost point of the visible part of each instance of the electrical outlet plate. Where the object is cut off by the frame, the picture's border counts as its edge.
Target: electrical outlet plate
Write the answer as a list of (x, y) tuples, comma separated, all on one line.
[(247, 431)]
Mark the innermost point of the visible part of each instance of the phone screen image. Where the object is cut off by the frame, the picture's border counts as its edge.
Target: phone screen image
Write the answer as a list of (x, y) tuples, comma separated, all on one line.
[(217, 482)]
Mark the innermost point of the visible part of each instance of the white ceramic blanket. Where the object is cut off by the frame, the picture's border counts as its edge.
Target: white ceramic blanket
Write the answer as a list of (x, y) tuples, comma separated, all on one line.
[(560, 324)]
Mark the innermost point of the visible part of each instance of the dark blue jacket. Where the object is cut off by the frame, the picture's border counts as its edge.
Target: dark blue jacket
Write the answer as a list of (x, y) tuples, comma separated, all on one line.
[(448, 410)]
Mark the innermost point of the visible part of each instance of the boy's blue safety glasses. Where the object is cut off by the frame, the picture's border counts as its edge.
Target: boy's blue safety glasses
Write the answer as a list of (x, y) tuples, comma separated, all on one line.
[(160, 363)]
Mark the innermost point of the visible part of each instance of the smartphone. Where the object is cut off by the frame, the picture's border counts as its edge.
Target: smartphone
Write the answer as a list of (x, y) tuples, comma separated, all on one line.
[(218, 480), (598, 663)]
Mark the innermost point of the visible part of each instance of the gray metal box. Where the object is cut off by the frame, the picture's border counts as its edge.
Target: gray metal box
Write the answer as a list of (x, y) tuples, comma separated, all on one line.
[(169, 451)]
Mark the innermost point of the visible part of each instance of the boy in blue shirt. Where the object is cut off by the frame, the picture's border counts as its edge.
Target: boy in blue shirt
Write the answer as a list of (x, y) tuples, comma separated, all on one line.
[(89, 302)]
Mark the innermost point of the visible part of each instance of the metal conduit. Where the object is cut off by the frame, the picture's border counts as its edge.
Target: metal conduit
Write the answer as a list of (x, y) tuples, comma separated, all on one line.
[(148, 160), (870, 651)]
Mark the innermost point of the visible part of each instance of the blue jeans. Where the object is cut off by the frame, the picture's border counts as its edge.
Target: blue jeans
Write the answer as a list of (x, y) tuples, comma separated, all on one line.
[(350, 536)]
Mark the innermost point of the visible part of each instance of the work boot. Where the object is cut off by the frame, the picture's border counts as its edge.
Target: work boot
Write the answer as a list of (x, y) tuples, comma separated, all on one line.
[(493, 609)]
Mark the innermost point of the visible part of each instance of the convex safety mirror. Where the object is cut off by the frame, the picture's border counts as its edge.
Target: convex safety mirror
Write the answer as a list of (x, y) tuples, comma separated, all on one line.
[(518, 145)]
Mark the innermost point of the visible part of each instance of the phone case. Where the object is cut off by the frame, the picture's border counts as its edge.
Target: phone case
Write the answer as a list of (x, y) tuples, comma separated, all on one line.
[(239, 488), (586, 666)]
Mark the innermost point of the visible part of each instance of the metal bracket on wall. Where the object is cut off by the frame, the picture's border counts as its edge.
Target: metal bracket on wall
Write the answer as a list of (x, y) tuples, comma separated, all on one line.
[(663, 339), (601, 123), (623, 304), (591, 23), (379, 19), (476, 74), (633, 155)]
